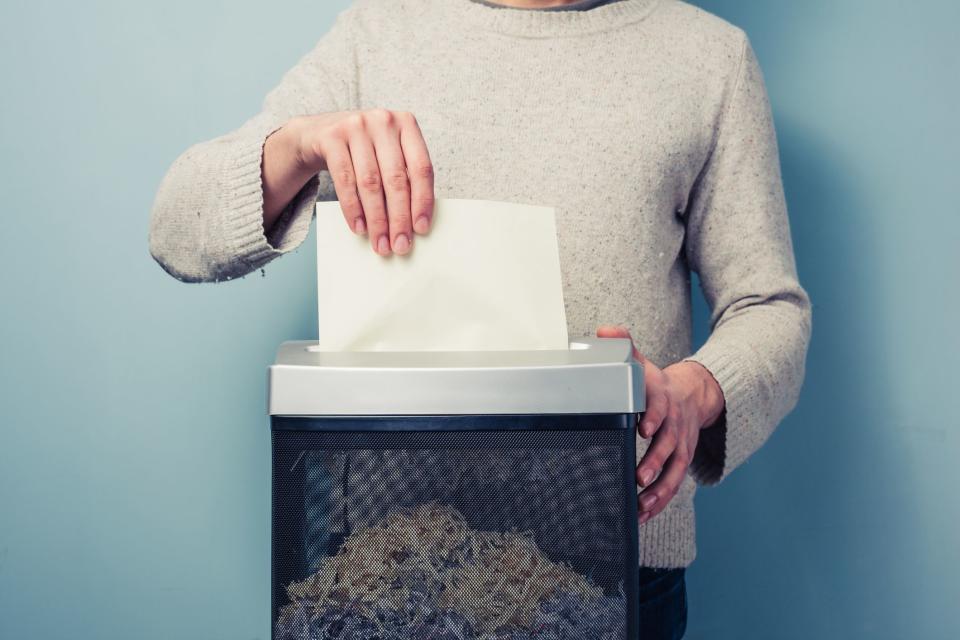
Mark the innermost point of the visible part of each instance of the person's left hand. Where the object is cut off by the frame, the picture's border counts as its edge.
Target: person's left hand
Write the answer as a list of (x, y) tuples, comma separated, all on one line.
[(681, 399)]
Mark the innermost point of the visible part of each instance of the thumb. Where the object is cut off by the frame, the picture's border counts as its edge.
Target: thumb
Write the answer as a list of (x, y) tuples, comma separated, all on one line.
[(614, 331)]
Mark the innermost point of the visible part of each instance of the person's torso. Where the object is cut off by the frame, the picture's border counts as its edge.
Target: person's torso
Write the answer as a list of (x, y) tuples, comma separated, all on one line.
[(610, 128)]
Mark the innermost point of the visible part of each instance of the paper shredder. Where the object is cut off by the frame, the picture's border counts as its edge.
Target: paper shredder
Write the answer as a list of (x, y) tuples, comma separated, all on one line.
[(455, 495)]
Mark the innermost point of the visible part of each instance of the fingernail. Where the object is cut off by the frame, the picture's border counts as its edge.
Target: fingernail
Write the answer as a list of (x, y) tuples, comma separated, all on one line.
[(401, 243), (644, 516), (646, 476), (360, 226), (422, 224), (648, 501), (383, 245), (646, 429)]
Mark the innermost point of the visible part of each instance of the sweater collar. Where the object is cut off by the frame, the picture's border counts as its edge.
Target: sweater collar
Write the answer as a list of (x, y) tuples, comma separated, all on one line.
[(535, 23)]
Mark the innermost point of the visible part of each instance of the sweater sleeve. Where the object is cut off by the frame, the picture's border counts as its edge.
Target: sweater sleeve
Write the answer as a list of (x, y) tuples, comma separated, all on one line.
[(738, 242), (207, 218)]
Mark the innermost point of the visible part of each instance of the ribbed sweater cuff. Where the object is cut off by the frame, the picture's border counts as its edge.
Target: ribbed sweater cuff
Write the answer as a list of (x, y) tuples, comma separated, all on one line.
[(667, 541), (244, 229), (725, 445)]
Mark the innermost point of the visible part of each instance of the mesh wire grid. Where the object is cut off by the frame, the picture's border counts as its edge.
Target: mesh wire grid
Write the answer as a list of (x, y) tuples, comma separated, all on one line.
[(477, 534)]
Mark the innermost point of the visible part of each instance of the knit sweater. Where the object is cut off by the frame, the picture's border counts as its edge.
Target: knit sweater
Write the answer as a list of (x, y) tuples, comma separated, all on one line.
[(645, 123)]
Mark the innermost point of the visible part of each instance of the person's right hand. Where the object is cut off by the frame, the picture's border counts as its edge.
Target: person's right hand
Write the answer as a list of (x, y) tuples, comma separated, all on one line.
[(380, 167)]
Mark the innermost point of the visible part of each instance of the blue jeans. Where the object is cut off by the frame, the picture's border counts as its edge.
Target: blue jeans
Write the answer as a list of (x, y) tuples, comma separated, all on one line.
[(663, 604)]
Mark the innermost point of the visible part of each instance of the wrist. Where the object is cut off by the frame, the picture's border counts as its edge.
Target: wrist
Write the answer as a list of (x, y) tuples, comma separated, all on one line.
[(707, 394), (713, 400), (292, 141), (283, 172)]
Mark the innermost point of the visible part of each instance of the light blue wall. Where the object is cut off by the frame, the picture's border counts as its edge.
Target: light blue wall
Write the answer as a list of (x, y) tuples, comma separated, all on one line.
[(133, 445), (847, 525)]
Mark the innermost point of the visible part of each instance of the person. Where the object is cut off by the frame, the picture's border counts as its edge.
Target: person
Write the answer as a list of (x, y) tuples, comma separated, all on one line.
[(646, 123)]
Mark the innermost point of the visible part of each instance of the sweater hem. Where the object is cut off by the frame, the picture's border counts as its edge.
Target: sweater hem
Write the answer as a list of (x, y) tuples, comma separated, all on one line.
[(668, 540)]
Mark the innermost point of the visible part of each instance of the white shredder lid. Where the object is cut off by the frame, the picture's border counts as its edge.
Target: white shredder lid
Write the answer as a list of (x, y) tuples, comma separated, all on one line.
[(593, 376)]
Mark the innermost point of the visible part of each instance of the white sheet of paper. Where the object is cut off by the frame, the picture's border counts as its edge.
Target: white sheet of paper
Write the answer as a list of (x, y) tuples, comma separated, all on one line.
[(486, 277)]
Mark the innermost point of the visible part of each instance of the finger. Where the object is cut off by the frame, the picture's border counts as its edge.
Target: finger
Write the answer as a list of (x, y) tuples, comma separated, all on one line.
[(661, 448), (370, 190), (655, 498), (612, 331), (656, 409), (340, 166), (419, 171), (393, 172)]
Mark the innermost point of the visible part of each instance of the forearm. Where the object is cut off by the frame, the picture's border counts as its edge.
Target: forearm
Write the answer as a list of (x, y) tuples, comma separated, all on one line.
[(230, 205), (757, 354), (738, 241), (207, 219), (200, 225)]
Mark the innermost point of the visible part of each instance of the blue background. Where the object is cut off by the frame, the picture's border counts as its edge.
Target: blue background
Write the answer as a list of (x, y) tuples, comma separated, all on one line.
[(134, 449)]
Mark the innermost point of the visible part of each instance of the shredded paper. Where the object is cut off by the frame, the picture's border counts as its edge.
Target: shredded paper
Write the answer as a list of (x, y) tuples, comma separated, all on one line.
[(424, 574)]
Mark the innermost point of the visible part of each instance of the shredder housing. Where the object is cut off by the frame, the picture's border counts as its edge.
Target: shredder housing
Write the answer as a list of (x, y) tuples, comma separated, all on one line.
[(469, 496)]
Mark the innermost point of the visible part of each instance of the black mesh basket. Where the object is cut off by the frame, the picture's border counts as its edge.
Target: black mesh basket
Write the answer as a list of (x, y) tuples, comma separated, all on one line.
[(454, 528)]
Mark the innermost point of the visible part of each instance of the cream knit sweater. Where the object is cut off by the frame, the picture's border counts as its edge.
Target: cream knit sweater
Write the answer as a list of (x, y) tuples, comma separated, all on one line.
[(644, 122)]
